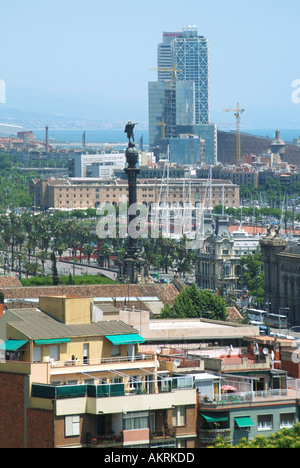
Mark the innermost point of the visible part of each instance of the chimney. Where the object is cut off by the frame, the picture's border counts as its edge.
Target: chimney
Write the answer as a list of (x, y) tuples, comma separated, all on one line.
[(47, 140)]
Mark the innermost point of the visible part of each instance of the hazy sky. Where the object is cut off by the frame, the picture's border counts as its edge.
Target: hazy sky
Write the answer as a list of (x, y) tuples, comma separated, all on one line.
[(109, 47)]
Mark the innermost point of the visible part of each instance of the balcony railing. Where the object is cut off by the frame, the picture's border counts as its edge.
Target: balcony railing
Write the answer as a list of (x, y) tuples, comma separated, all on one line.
[(117, 440), (95, 362), (137, 387), (207, 436), (248, 397), (105, 440)]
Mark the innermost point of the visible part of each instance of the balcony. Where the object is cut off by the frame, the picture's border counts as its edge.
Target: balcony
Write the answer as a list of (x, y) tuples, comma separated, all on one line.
[(104, 440), (113, 398), (56, 392), (100, 361), (131, 437), (238, 398), (166, 436), (208, 436)]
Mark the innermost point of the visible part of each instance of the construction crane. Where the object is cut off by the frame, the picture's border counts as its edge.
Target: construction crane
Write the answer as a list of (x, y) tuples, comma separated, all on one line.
[(237, 112), (173, 70), (163, 126)]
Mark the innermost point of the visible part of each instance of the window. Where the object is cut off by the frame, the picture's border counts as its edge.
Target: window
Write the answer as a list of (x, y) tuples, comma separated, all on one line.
[(287, 420), (265, 422), (116, 380), (89, 382), (85, 353), (178, 416), (72, 426), (115, 350), (138, 420), (37, 354), (133, 382)]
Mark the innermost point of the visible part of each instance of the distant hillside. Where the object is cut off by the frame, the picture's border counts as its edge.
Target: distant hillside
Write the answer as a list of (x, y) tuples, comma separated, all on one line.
[(24, 105)]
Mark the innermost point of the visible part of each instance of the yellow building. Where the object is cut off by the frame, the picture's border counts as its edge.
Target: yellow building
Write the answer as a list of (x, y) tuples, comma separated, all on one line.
[(81, 382), (62, 332)]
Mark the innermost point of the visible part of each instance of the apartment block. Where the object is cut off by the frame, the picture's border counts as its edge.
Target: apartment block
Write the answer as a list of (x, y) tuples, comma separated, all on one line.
[(67, 380), (243, 392)]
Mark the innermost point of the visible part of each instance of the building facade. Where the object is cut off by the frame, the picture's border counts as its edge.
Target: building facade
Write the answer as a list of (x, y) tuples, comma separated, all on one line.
[(186, 54), (282, 276), (70, 381), (171, 103), (218, 259), (181, 94), (90, 193), (190, 53), (81, 164)]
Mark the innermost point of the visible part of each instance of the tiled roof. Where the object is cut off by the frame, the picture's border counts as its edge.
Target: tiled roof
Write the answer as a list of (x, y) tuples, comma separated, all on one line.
[(7, 281), (165, 293), (234, 315)]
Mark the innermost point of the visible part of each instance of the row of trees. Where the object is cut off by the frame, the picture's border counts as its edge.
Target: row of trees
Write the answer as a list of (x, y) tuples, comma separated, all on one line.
[(14, 185), (29, 240), (274, 191)]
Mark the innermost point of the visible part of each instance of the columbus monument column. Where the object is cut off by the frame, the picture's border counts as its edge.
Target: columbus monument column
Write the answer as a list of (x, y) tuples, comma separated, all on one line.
[(134, 268)]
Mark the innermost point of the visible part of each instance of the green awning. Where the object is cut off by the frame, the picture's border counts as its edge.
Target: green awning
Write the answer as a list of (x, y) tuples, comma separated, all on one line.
[(244, 421), (52, 341), (214, 418), (125, 339), (12, 345)]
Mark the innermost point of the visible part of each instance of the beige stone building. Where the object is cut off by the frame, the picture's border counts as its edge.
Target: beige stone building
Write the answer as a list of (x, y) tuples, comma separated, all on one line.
[(282, 276), (89, 193)]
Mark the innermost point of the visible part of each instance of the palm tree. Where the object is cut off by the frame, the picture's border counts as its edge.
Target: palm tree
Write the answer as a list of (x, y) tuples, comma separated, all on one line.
[(43, 256), (88, 250), (31, 268)]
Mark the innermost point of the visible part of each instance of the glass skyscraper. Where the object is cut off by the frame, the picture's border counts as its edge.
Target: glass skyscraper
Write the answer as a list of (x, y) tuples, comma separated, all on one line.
[(179, 99), (171, 103), (188, 54)]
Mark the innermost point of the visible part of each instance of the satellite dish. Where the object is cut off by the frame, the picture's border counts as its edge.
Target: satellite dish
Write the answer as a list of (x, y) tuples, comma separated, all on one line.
[(158, 350), (265, 351), (256, 352), (177, 362)]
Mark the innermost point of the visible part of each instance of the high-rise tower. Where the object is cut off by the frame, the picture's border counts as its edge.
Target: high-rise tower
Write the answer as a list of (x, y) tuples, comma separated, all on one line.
[(188, 54)]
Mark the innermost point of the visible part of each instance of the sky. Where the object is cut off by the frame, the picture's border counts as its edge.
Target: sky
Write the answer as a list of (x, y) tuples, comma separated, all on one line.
[(109, 48)]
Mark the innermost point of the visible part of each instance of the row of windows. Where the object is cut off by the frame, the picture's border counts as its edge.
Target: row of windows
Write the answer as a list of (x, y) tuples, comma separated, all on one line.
[(265, 421), (131, 421)]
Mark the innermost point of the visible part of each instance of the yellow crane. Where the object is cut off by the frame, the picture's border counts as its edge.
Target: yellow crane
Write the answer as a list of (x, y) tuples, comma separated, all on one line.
[(173, 70), (237, 112), (163, 126)]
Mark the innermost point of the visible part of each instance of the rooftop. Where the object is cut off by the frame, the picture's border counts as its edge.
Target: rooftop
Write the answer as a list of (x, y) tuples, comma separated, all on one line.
[(37, 325)]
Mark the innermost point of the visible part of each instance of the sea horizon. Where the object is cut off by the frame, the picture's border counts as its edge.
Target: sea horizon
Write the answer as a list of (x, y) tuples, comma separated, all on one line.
[(117, 136)]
